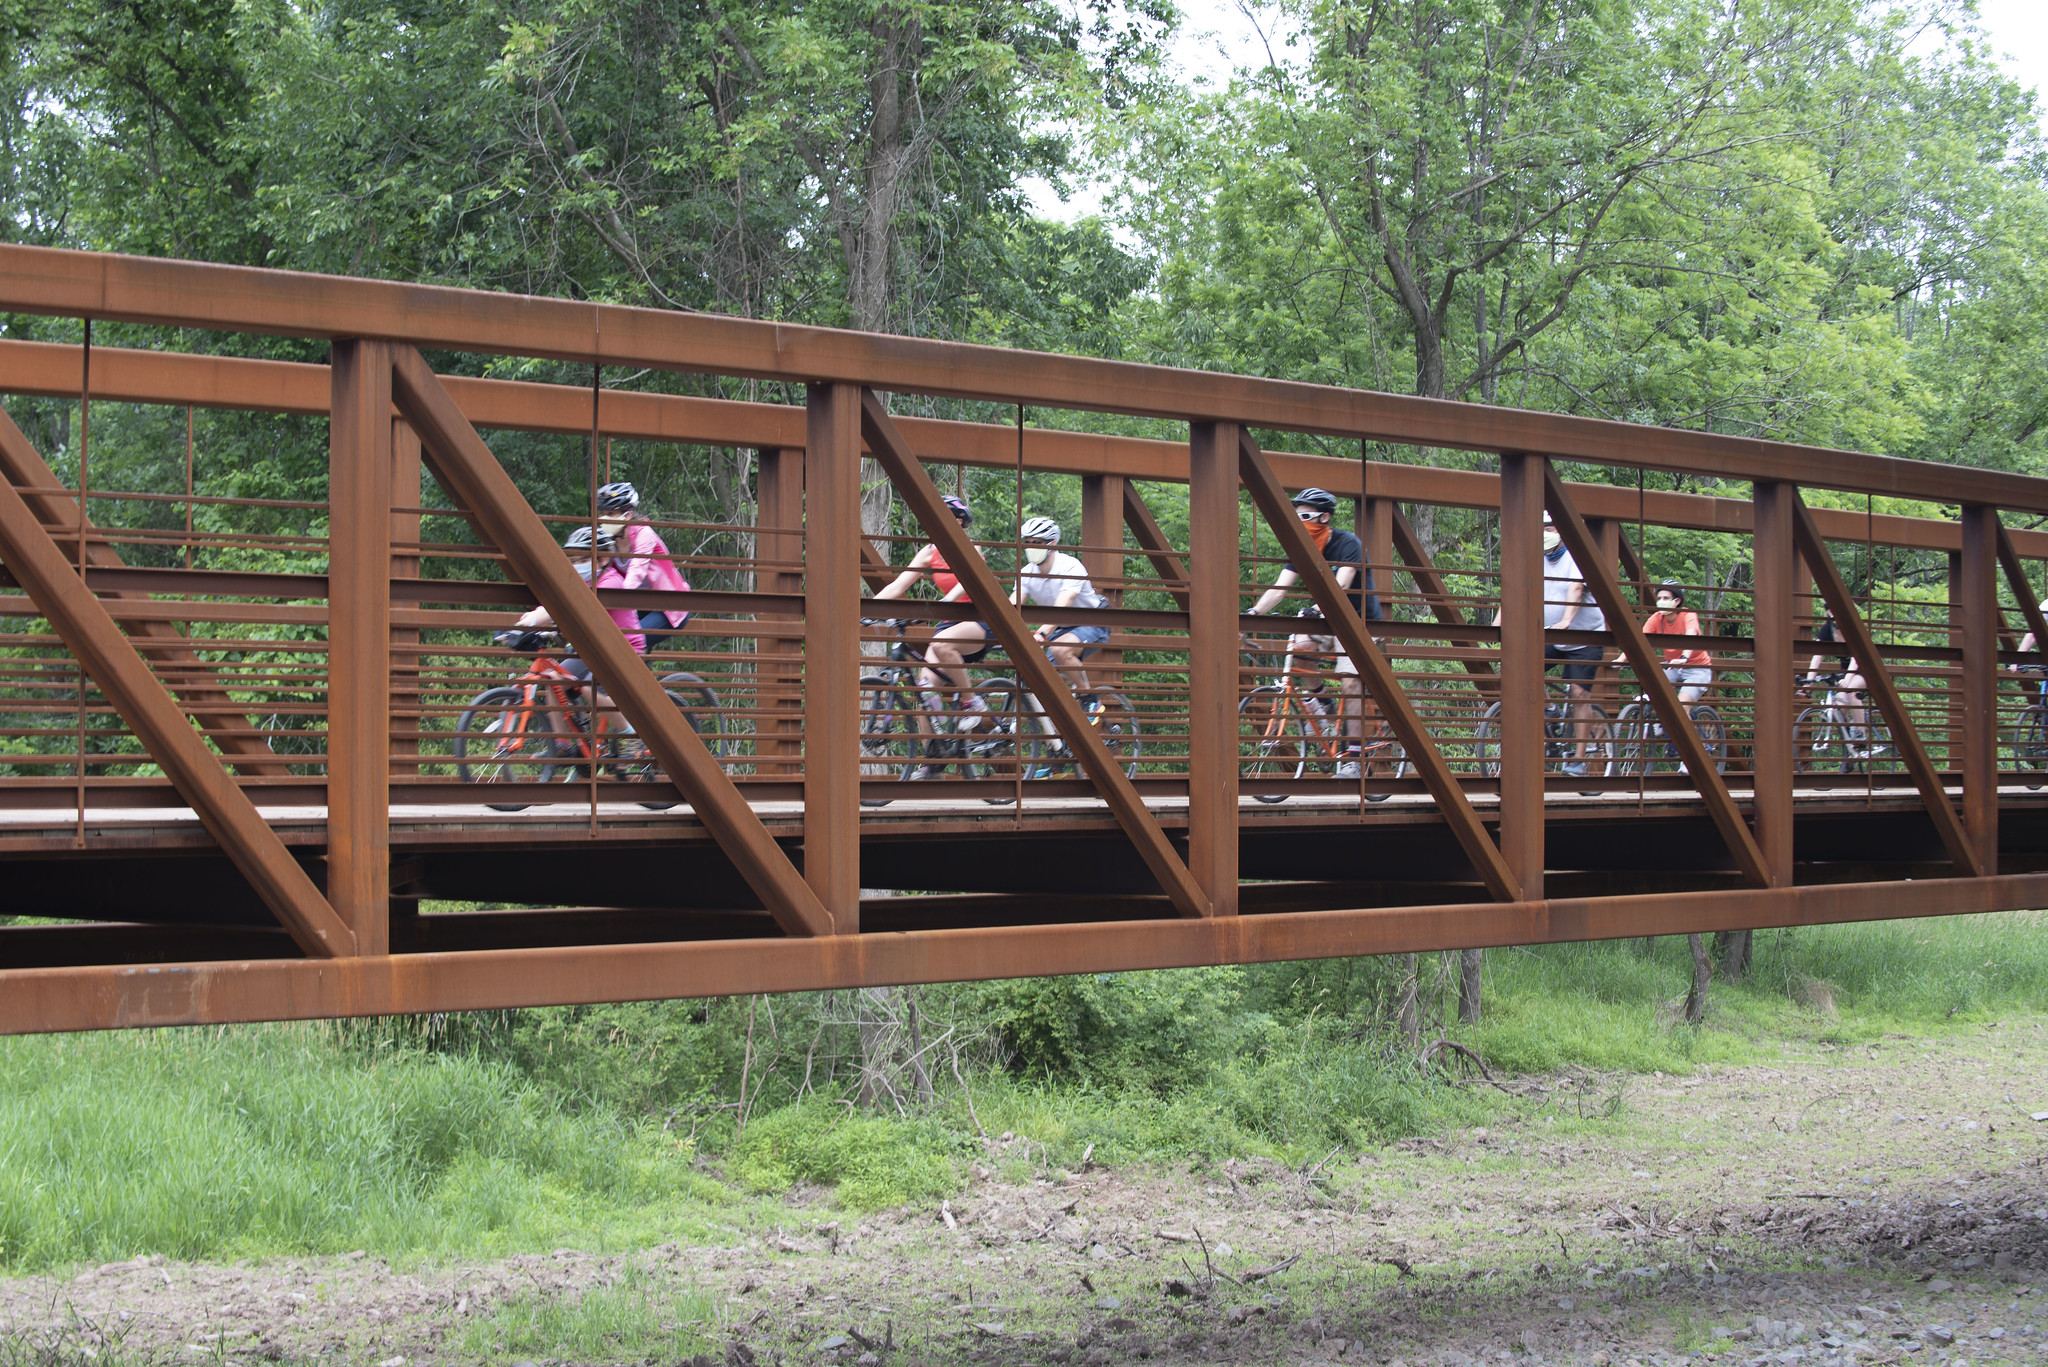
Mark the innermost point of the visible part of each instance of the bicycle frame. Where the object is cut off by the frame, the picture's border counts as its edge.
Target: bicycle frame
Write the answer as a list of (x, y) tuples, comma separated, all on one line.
[(1330, 742), (545, 672)]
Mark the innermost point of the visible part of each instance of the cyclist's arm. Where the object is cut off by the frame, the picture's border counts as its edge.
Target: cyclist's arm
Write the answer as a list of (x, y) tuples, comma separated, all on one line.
[(2027, 642), (905, 581), (1270, 599), (537, 618)]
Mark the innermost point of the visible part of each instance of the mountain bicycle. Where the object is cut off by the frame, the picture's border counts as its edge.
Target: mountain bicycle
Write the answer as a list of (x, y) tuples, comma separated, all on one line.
[(1560, 737), (899, 734), (534, 729), (2030, 729), (1109, 715), (1291, 734), (1645, 749), (1823, 741)]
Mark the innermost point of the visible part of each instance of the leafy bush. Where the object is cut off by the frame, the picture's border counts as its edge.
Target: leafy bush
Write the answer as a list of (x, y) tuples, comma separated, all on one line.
[(1150, 1031), (873, 1161)]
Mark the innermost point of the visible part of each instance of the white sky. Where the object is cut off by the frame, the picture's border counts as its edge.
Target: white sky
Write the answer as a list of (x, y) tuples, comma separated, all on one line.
[(1217, 36)]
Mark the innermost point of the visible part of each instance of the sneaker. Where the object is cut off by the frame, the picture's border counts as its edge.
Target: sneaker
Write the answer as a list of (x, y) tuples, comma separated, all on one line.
[(1350, 769), (926, 772), (1682, 769), (1577, 769)]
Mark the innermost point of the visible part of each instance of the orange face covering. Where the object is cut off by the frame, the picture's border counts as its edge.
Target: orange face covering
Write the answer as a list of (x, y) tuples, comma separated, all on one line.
[(1318, 532)]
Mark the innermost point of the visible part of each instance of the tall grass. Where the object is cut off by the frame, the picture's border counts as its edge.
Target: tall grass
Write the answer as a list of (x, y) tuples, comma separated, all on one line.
[(208, 1144), (521, 1130)]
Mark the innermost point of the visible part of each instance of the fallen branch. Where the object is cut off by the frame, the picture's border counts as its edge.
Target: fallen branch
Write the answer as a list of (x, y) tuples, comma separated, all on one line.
[(1477, 1062), (1259, 1274)]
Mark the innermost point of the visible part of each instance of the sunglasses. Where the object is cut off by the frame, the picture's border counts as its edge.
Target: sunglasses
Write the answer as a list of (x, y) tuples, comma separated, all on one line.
[(1307, 514)]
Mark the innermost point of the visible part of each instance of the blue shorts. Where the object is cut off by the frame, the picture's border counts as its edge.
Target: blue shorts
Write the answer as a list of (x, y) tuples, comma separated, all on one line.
[(1093, 638)]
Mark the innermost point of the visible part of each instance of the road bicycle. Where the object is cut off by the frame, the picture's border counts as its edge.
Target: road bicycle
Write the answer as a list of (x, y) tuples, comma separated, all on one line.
[(1561, 732), (900, 737), (537, 729), (1109, 715), (1824, 742), (1286, 732), (1645, 749), (2030, 729)]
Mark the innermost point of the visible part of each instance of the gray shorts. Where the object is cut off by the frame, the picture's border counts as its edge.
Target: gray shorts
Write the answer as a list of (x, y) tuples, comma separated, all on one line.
[(1689, 676)]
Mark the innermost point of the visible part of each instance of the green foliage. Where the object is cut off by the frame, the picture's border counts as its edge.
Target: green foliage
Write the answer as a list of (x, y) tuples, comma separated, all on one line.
[(871, 1161), (633, 1317), (1154, 1031)]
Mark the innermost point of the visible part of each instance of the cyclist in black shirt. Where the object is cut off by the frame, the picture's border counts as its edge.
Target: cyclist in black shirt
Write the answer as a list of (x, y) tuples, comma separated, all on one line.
[(1345, 553), (1845, 685)]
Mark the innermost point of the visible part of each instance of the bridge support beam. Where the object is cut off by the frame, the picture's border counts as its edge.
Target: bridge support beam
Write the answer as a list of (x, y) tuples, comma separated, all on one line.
[(1213, 661), (832, 587), (1775, 569), (359, 471), (1978, 615), (1521, 669)]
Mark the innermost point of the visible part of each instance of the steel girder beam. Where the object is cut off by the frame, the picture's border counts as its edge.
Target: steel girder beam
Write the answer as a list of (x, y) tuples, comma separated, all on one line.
[(44, 280), (472, 476), (63, 999), (1856, 635), (246, 745), (1649, 669), (2022, 587), (81, 620), (918, 492), (1166, 561), (1376, 673), (1436, 592), (292, 387)]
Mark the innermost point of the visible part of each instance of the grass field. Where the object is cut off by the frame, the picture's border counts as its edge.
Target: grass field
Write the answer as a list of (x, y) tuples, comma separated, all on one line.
[(258, 1141)]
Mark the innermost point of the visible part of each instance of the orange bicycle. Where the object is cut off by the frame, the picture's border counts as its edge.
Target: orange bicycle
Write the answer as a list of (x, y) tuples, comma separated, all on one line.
[(536, 729), (1290, 733)]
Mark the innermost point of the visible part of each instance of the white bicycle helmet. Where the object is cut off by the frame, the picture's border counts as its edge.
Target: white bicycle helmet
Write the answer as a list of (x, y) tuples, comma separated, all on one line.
[(1040, 529)]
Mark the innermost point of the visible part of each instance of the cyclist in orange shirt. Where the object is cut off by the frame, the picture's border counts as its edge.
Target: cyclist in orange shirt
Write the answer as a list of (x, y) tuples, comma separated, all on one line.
[(1690, 668)]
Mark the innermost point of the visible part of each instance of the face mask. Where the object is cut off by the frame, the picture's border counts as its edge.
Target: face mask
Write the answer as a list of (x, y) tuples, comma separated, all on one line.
[(1552, 539), (1318, 532), (583, 570), (1038, 555), (1671, 608), (614, 527)]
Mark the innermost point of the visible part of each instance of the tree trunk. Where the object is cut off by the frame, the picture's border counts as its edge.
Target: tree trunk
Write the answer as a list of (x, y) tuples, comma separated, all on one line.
[(1702, 975), (1469, 963), (1408, 1008), (1735, 955)]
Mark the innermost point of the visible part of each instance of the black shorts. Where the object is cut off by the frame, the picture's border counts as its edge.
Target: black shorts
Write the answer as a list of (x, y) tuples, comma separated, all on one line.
[(973, 657), (575, 668), (1582, 662)]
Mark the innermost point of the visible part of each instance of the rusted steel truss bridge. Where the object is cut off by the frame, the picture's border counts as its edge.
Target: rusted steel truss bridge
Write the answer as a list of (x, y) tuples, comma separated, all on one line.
[(244, 741)]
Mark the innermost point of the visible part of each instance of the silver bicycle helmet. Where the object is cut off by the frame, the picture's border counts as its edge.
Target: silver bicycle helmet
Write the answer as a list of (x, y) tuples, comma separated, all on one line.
[(1040, 529), (581, 540), (618, 498)]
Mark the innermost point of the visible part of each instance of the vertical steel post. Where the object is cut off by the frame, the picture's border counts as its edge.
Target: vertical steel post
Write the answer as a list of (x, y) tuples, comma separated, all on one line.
[(1773, 754), (1979, 692), (359, 467), (1521, 670), (832, 585), (1102, 539), (1213, 654), (408, 695), (779, 523)]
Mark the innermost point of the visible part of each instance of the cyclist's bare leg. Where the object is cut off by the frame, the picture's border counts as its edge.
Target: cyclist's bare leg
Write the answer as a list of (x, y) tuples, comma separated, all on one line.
[(946, 668), (1581, 712), (1353, 695), (1849, 699), (1065, 652)]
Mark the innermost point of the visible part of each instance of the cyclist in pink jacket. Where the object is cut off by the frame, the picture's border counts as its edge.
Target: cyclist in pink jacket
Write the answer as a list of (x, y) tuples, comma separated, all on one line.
[(643, 558)]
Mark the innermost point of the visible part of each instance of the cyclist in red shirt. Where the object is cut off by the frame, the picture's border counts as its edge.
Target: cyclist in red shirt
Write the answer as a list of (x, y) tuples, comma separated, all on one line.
[(1690, 668), (956, 645)]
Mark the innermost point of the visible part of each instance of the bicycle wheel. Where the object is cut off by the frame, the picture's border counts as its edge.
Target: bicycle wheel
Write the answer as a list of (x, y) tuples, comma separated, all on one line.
[(1011, 733), (503, 738), (1116, 722), (1713, 734), (2030, 742), (701, 708), (1381, 756), (1486, 741), (1270, 743), (890, 742), (1817, 743), (1634, 736), (633, 762)]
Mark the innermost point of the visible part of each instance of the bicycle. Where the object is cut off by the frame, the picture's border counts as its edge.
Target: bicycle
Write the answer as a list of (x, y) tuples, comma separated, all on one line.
[(1290, 738), (1559, 737), (1824, 741), (533, 728), (2030, 729), (1109, 715), (1645, 748), (897, 730)]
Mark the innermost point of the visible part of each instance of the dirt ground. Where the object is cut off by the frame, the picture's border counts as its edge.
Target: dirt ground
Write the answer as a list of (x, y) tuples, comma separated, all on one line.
[(1872, 1204)]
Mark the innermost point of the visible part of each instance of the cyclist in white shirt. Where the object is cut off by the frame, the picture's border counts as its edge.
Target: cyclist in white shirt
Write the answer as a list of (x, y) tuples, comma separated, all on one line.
[(1050, 578)]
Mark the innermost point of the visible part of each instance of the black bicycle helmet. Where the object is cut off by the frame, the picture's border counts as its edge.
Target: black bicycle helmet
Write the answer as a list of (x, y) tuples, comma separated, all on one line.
[(1322, 500), (1673, 587), (960, 510), (618, 498), (581, 540)]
